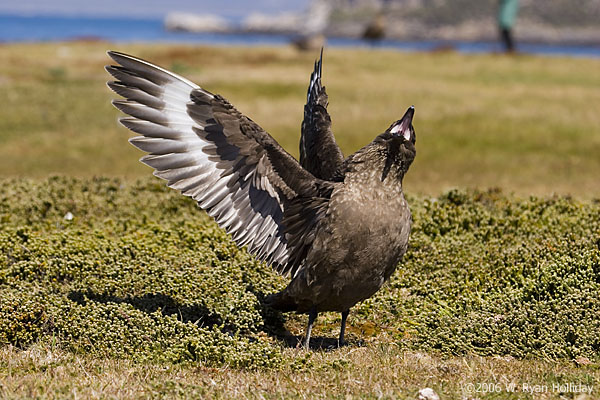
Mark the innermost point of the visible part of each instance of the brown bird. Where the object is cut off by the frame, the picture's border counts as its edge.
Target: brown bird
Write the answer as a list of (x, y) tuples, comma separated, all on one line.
[(338, 227)]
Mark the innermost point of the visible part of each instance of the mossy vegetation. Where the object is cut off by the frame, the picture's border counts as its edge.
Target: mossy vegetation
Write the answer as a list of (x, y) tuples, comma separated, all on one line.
[(139, 272)]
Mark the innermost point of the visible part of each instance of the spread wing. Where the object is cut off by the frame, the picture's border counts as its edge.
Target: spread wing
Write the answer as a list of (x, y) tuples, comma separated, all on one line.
[(208, 150), (319, 153)]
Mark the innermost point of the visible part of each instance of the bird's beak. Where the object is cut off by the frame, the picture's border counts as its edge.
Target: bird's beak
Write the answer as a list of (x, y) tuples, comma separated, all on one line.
[(408, 115), (402, 127)]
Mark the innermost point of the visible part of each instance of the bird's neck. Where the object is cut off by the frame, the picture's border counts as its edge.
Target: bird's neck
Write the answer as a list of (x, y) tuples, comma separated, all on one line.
[(378, 163)]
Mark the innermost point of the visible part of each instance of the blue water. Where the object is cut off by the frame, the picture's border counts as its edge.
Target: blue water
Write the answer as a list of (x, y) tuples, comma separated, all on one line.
[(49, 28)]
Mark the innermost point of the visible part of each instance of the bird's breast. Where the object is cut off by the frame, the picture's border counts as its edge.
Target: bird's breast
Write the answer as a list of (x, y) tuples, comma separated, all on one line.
[(361, 240)]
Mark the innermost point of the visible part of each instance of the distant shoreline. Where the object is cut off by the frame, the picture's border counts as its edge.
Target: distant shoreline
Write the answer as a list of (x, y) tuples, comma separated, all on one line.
[(24, 29)]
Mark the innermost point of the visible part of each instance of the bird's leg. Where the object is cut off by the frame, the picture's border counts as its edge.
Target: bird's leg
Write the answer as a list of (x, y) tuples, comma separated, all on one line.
[(312, 316), (343, 327)]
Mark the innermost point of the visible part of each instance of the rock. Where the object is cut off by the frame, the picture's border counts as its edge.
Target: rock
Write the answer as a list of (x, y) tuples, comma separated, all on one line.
[(582, 361), (428, 394), (177, 21), (280, 23)]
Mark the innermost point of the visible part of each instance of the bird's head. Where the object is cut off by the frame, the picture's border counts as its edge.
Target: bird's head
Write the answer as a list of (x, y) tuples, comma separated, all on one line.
[(389, 156), (400, 142)]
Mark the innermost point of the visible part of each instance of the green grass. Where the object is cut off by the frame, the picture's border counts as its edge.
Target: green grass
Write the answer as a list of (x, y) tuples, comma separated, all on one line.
[(526, 124), (141, 295)]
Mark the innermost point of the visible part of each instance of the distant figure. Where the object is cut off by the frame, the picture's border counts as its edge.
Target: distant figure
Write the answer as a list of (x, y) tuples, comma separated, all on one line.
[(375, 31), (507, 13), (312, 31), (309, 42)]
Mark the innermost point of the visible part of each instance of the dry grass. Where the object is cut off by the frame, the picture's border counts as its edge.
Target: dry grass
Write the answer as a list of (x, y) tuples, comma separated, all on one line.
[(525, 124), (375, 371)]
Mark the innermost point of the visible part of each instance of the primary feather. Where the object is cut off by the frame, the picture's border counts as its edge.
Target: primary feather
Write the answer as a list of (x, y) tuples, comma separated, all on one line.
[(209, 151), (319, 152)]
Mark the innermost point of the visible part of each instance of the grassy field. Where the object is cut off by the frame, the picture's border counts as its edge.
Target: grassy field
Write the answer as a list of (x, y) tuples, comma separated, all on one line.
[(525, 124), (141, 295)]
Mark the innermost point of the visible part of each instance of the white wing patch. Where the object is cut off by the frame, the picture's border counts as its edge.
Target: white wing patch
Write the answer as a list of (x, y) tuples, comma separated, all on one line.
[(157, 101)]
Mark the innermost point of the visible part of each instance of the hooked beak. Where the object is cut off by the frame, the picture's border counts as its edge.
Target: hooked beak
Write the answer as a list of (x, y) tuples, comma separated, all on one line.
[(402, 127)]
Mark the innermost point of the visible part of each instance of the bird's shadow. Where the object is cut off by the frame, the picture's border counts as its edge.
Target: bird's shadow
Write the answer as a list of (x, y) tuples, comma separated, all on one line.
[(150, 303), (320, 343), (198, 314), (274, 321)]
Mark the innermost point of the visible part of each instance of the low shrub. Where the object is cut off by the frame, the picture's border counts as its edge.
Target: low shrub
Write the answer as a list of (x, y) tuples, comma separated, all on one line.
[(135, 270)]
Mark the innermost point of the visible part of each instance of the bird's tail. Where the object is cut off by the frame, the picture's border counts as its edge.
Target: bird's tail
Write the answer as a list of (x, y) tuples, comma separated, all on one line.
[(281, 301)]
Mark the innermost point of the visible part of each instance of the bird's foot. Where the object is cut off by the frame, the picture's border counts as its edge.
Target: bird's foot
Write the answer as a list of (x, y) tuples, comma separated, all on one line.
[(306, 344)]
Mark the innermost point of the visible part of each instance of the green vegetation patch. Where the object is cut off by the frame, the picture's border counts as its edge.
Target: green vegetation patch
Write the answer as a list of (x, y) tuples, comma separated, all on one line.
[(136, 271), (492, 275)]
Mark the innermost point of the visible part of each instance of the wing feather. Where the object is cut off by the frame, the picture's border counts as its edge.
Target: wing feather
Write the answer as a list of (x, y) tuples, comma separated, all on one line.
[(319, 152), (209, 151)]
